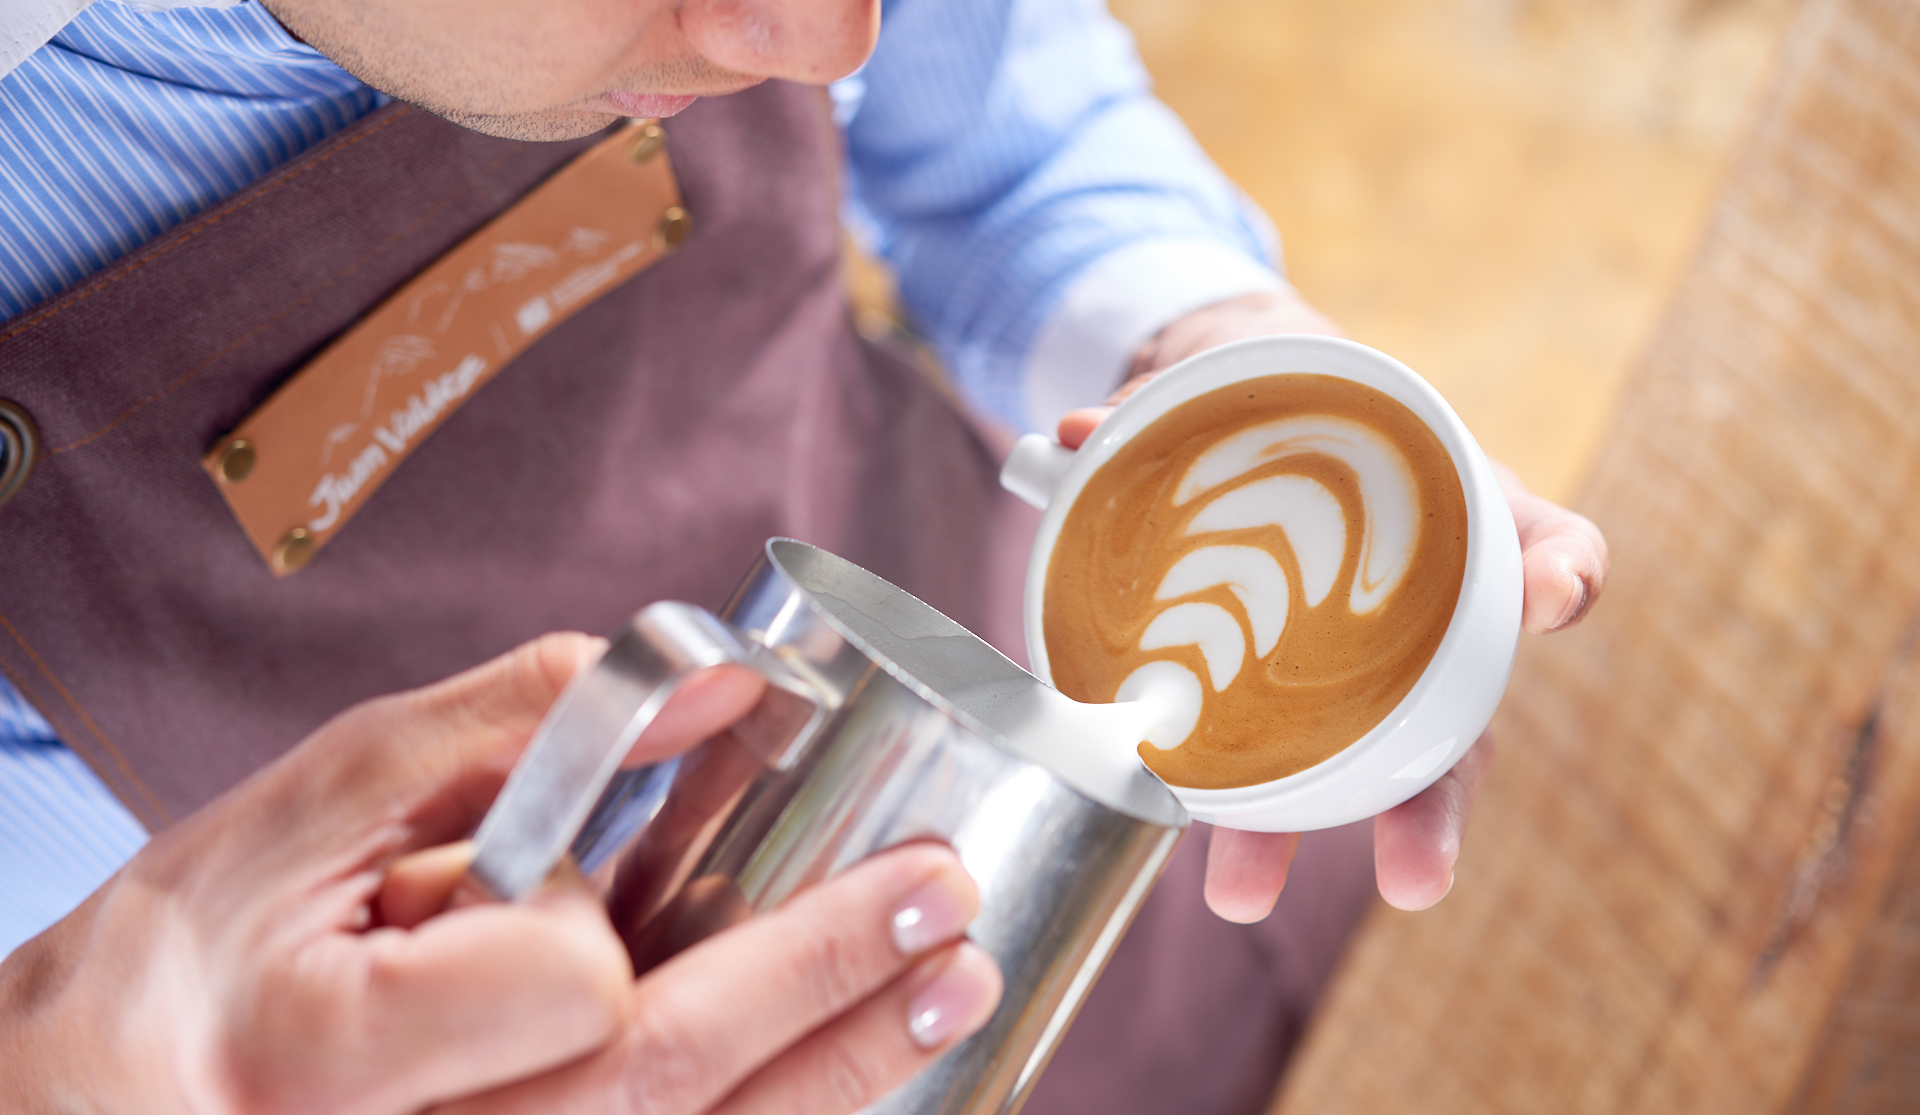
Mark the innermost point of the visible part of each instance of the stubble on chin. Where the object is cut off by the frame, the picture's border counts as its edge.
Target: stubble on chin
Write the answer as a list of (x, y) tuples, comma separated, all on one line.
[(695, 76), (535, 127), (407, 76)]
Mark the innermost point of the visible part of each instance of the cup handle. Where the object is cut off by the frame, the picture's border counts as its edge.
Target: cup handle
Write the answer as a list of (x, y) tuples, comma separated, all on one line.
[(557, 787), (1035, 468)]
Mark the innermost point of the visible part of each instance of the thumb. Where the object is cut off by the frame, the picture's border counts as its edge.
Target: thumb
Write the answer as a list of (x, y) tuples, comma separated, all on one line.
[(387, 777), (428, 762), (1076, 426)]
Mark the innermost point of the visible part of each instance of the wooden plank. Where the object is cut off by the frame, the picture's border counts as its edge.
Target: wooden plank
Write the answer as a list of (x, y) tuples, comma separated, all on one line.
[(1692, 883), (1870, 1061)]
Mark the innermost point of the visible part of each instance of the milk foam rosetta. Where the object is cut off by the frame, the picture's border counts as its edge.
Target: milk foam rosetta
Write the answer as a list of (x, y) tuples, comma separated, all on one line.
[(1272, 565)]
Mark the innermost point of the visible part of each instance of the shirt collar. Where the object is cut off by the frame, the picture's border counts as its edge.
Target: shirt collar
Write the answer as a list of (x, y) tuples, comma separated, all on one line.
[(28, 25)]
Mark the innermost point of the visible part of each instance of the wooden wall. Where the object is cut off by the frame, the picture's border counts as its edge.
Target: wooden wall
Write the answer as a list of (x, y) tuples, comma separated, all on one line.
[(1693, 884)]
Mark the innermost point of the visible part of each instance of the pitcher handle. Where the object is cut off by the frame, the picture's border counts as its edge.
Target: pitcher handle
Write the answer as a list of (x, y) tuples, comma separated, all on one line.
[(559, 782)]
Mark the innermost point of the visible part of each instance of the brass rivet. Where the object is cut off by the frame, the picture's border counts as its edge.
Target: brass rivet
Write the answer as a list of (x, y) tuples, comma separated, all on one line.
[(294, 550), (236, 460), (648, 143), (676, 224), (19, 447)]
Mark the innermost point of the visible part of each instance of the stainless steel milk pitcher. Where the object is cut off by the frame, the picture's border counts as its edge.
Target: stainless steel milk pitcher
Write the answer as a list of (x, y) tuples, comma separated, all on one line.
[(883, 722)]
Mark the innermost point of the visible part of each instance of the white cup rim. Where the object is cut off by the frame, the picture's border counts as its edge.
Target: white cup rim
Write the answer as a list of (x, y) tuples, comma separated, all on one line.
[(1311, 354)]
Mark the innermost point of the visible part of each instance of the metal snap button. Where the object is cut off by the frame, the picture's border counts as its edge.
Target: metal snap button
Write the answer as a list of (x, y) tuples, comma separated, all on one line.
[(294, 550), (675, 225), (236, 460), (19, 447), (648, 143)]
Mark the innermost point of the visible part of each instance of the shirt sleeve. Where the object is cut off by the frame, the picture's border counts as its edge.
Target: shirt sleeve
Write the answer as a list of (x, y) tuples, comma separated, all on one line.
[(1044, 213), (61, 831)]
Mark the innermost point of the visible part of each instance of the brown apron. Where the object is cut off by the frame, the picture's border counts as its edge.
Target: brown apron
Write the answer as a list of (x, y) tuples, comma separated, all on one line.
[(642, 451)]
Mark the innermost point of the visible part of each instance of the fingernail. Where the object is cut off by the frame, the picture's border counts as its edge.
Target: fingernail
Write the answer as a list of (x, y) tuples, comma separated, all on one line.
[(957, 995), (934, 913), (1426, 905), (1575, 609)]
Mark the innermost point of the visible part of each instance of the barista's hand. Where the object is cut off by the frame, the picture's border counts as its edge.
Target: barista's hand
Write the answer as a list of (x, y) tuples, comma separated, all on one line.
[(1236, 319), (1416, 843), (279, 950)]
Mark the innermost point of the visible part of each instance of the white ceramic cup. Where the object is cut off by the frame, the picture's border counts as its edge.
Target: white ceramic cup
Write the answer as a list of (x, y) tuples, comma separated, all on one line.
[(1451, 703)]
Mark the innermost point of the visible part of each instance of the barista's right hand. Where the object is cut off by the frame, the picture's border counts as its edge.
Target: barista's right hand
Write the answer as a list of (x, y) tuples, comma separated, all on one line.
[(237, 963)]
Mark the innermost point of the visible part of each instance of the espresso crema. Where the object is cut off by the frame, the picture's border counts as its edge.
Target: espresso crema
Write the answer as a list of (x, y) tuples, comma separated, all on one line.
[(1278, 559)]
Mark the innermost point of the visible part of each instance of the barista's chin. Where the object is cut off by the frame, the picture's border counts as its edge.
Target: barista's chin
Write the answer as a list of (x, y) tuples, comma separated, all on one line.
[(582, 118), (572, 122), (641, 105)]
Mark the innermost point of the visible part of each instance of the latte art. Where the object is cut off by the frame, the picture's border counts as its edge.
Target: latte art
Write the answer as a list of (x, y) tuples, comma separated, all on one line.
[(1392, 509), (1310, 517), (1274, 564)]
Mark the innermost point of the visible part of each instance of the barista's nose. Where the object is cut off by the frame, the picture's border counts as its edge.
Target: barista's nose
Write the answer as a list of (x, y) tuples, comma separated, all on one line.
[(811, 41)]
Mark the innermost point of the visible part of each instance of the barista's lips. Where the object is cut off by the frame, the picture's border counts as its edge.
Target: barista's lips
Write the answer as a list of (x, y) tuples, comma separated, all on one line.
[(639, 104)]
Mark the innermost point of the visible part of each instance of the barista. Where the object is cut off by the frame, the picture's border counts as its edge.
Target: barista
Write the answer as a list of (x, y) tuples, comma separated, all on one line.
[(715, 399)]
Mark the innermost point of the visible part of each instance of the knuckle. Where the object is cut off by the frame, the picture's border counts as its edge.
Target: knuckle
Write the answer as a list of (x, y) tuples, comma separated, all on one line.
[(664, 1070), (834, 967), (552, 660), (854, 1073)]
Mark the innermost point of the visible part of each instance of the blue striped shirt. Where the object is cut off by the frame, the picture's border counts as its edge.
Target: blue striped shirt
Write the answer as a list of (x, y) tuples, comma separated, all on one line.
[(130, 122), (1045, 214), (61, 832)]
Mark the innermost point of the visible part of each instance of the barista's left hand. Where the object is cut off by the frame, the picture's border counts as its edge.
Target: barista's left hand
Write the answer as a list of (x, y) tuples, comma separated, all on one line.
[(1416, 843)]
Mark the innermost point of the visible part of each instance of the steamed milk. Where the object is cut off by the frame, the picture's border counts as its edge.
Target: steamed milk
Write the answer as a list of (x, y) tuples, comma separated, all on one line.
[(1276, 562)]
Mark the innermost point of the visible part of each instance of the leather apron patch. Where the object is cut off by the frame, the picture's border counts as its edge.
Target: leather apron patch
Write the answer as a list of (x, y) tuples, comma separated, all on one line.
[(299, 467)]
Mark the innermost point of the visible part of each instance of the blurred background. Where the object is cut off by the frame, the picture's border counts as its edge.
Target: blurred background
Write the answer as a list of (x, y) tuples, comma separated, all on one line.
[(1501, 193), (1663, 256)]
